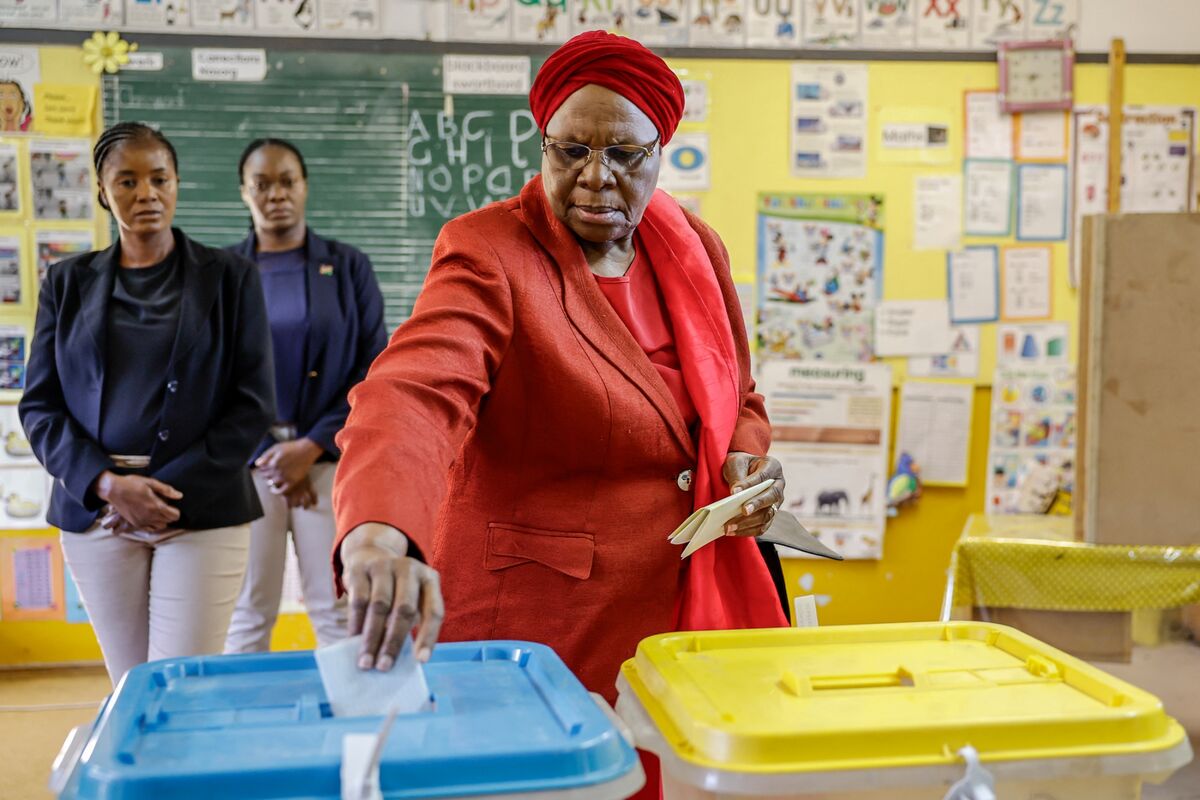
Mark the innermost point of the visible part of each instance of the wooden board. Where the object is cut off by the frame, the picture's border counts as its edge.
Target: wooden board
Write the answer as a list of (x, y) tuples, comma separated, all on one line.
[(1140, 382)]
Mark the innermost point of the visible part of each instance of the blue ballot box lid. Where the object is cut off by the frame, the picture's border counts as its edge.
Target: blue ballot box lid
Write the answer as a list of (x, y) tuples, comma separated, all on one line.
[(509, 718)]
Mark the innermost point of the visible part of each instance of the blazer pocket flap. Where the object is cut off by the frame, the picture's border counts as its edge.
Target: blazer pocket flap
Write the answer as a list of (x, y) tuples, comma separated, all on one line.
[(512, 545)]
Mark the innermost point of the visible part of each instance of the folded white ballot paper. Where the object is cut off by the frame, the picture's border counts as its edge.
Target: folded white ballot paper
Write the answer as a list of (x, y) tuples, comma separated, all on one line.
[(708, 524), (353, 692)]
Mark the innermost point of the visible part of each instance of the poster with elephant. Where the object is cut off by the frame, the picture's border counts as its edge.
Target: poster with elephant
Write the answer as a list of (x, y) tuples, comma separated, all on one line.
[(830, 429)]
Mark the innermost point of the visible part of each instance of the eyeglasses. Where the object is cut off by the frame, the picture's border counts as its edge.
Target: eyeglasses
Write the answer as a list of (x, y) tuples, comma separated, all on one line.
[(617, 157), (265, 187)]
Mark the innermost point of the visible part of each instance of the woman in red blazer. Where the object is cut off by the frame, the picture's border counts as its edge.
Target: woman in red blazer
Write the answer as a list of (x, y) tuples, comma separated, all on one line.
[(573, 382)]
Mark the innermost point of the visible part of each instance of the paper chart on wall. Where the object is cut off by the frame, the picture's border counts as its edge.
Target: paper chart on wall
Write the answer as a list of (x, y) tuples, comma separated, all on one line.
[(659, 22), (24, 494), (961, 361), (889, 24), (100, 13), (830, 23), (717, 23), (943, 25), (685, 163), (820, 260), (31, 585), (1033, 422), (1033, 344), (164, 13), (937, 212), (773, 23), (1052, 19), (481, 20), (987, 198), (829, 120), (1042, 202), (20, 71), (546, 21), (1027, 281), (14, 446), (695, 100), (52, 246), (28, 12), (10, 269), (912, 328), (349, 16), (291, 16), (996, 21), (973, 284), (934, 428), (989, 130), (60, 175), (600, 15), (830, 428), (230, 15), (1042, 136), (10, 188)]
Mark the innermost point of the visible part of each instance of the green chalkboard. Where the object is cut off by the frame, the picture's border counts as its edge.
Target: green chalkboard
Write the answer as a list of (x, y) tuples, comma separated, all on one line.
[(390, 159)]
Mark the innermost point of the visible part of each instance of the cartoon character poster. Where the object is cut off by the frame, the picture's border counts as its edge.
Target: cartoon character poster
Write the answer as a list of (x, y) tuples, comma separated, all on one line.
[(1033, 423), (718, 23), (659, 22), (481, 20), (943, 25), (600, 15), (820, 262), (546, 21), (996, 21), (19, 71), (889, 24), (831, 23), (773, 23)]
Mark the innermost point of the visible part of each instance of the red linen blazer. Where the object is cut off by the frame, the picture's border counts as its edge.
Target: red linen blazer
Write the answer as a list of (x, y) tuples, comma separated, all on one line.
[(517, 433)]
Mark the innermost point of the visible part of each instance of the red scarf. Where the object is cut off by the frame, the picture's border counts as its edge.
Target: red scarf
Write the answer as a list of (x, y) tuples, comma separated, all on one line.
[(727, 583)]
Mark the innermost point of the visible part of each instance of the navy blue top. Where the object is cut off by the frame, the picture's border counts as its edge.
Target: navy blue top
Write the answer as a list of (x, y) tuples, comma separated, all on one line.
[(143, 318), (285, 287)]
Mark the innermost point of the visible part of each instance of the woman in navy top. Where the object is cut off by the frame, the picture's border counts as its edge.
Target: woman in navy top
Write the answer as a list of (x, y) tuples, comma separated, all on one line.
[(149, 386), (326, 316)]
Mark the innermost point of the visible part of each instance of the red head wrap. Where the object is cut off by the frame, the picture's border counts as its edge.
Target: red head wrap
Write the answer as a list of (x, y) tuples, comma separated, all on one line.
[(616, 63)]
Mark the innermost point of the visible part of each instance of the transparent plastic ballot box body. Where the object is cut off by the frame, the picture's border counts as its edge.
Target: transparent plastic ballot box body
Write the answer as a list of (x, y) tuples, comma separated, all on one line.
[(509, 719), (881, 712)]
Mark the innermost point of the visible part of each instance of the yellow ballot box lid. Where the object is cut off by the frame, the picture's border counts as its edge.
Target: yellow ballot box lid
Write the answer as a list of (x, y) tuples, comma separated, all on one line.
[(882, 696)]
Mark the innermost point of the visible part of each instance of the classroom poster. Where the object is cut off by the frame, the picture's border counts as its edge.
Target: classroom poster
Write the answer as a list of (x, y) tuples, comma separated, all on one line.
[(989, 130), (820, 264), (52, 246), (659, 22), (1027, 280), (60, 174), (913, 135), (10, 270), (24, 492), (773, 23), (481, 20), (65, 109), (1042, 136), (961, 361), (943, 25), (829, 120), (10, 188), (973, 284), (349, 16), (830, 23), (996, 21), (286, 16), (1052, 19), (934, 427), (602, 15), (695, 100), (19, 71), (13, 346), (14, 447), (830, 427), (1041, 202), (717, 23), (1033, 422), (88, 13), (31, 570), (937, 212), (541, 21), (912, 328), (987, 197), (163, 13), (28, 12), (231, 15), (1156, 168), (889, 24), (685, 164), (1033, 344)]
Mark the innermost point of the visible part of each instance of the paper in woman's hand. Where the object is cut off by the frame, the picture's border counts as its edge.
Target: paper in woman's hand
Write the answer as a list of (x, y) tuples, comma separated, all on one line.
[(707, 524)]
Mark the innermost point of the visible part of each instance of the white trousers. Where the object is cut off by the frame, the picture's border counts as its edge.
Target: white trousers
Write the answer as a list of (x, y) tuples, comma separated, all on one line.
[(312, 531), (160, 597)]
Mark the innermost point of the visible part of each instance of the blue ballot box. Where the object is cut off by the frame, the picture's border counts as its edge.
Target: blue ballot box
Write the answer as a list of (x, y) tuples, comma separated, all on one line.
[(509, 718)]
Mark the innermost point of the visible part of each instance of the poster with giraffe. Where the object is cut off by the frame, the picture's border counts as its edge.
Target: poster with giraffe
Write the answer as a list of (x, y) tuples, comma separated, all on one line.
[(830, 430)]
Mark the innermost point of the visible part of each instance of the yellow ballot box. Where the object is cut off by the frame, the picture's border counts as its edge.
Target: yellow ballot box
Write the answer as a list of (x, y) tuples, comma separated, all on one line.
[(921, 710)]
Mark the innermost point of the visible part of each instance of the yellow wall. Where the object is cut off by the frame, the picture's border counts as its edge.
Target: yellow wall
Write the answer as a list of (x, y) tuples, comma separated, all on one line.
[(749, 147)]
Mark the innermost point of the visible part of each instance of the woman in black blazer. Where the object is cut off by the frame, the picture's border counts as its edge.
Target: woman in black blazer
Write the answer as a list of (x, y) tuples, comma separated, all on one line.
[(326, 314), (149, 385)]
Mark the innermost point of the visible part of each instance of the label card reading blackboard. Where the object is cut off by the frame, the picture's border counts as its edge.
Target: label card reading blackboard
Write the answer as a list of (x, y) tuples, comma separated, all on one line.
[(485, 74)]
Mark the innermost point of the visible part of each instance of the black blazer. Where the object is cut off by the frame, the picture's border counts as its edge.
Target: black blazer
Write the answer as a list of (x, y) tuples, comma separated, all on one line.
[(219, 396), (346, 331)]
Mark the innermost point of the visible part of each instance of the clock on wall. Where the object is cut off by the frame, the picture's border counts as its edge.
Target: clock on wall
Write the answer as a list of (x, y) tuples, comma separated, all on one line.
[(1036, 76)]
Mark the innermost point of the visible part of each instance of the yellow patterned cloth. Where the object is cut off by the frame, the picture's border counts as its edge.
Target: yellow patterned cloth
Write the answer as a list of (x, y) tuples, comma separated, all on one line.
[(1032, 562)]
